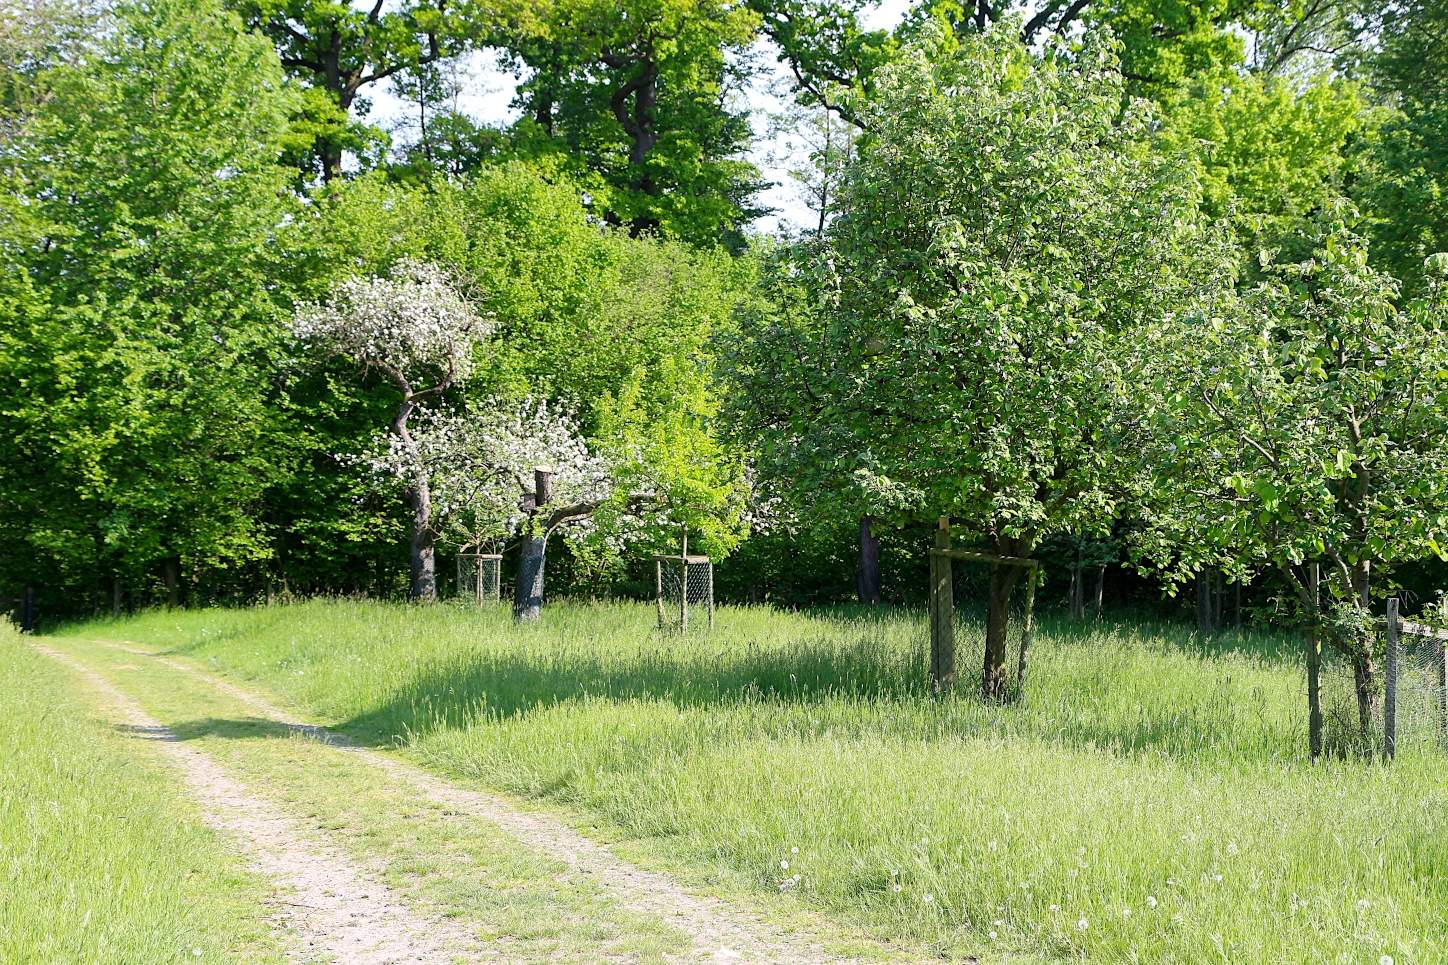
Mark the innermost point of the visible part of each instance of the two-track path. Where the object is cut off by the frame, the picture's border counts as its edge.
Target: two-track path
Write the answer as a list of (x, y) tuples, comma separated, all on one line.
[(346, 911)]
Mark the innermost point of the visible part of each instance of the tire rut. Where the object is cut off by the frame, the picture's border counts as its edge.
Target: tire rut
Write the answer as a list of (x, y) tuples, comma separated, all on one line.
[(342, 912), (719, 932)]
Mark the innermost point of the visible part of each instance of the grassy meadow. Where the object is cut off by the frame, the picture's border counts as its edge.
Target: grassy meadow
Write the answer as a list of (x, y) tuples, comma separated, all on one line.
[(102, 861), (1148, 802)]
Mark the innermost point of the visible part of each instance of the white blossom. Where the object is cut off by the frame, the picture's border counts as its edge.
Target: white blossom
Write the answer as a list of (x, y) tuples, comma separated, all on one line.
[(413, 319), (480, 465)]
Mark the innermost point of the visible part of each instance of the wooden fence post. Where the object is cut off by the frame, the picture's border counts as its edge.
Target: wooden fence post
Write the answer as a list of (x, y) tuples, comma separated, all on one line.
[(1390, 696), (659, 589), (1314, 668), (942, 614), (684, 585), (710, 564)]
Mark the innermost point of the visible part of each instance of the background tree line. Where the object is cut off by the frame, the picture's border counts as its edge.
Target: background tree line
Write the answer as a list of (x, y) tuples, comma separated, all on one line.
[(1011, 204)]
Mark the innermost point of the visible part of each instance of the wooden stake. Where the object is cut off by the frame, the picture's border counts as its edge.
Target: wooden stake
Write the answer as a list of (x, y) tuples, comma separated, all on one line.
[(1390, 695), (942, 614), (659, 589), (1314, 668), (684, 585)]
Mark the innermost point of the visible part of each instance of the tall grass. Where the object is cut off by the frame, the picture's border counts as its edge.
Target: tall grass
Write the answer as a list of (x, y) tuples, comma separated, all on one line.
[(1148, 802), (100, 862)]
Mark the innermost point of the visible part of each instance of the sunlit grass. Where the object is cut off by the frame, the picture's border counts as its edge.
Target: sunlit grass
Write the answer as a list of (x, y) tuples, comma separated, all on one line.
[(101, 861), (1149, 787)]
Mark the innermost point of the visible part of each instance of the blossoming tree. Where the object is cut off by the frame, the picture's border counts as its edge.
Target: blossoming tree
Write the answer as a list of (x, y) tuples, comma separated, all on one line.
[(501, 471), (416, 329)]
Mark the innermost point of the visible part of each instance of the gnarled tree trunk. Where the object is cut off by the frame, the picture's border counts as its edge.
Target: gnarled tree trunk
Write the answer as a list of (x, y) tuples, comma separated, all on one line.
[(528, 590), (424, 557)]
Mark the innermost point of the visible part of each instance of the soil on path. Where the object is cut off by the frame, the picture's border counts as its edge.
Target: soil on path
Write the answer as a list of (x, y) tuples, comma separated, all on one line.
[(718, 932), (341, 911)]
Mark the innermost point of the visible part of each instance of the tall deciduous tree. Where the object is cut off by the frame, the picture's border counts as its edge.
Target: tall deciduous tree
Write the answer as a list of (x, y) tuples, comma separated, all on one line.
[(1302, 423), (417, 330), (1404, 181), (1273, 154), (336, 49), (1002, 237), (140, 306), (639, 95)]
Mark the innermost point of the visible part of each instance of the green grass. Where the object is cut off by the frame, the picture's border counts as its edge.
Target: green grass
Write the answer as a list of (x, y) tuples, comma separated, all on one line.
[(101, 859), (1149, 787)]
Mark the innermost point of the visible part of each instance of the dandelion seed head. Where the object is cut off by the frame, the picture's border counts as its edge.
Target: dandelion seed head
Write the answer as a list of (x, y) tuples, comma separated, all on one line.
[(1082, 925), (994, 935), (928, 899), (1150, 901), (1386, 960), (784, 865)]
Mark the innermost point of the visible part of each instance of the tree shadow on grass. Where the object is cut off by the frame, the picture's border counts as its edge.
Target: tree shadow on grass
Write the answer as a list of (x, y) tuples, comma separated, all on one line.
[(246, 728), (681, 670), (873, 685)]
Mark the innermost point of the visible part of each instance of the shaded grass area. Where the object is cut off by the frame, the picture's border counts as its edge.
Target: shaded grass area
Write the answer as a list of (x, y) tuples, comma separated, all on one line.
[(1148, 802), (102, 860)]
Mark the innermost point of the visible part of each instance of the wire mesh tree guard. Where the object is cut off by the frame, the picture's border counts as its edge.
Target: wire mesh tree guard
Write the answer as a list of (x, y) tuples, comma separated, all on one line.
[(1415, 683), (480, 577), (942, 608), (682, 583)]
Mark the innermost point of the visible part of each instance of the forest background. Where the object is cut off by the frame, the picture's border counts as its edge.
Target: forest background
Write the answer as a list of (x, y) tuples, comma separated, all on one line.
[(180, 179)]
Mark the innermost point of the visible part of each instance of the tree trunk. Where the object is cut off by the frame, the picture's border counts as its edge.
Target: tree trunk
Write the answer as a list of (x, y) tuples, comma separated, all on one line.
[(1204, 601), (867, 578), (528, 590), (1367, 695), (115, 598), (1362, 664), (424, 558), (173, 583), (1100, 587), (997, 624)]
